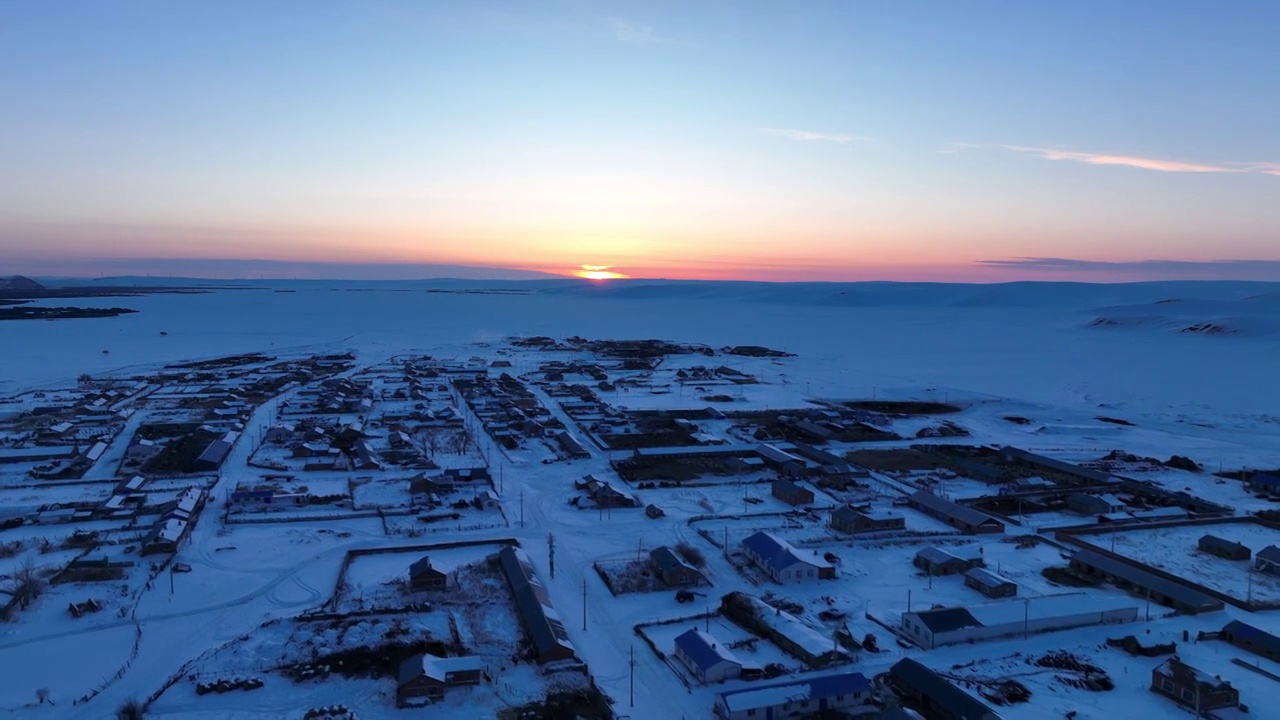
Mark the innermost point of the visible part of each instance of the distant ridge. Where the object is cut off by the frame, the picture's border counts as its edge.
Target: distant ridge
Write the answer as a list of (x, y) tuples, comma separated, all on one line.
[(161, 270), (19, 282)]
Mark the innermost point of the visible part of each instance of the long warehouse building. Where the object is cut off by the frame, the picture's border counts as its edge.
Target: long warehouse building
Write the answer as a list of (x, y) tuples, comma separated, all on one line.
[(948, 626)]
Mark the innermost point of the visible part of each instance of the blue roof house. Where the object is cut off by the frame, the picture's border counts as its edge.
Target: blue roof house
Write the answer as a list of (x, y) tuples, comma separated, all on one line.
[(784, 563), (706, 658)]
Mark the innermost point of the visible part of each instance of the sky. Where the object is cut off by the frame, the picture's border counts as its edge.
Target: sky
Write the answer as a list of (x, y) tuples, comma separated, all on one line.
[(907, 140)]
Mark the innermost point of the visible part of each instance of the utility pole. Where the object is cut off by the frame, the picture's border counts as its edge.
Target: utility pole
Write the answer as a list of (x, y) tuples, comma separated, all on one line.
[(521, 508), (632, 663), (551, 553), (584, 603), (1026, 618)]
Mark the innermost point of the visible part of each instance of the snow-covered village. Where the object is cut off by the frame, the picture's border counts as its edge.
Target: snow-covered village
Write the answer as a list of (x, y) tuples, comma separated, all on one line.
[(639, 360), (539, 526)]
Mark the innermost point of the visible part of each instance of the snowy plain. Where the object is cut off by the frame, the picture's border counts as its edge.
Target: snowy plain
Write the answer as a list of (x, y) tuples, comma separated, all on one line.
[(1024, 349)]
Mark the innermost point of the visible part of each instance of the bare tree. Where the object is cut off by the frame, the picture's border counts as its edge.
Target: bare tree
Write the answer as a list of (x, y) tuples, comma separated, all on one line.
[(42, 695), (459, 442), (27, 583), (430, 440)]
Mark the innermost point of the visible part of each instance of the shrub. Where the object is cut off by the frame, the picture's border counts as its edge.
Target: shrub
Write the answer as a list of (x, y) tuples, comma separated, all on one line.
[(691, 555)]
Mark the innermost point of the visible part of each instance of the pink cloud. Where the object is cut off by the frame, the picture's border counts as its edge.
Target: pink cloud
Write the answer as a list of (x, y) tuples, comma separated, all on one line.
[(1135, 161)]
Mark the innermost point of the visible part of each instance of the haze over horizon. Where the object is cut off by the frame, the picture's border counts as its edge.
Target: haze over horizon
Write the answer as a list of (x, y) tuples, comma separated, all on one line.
[(722, 140)]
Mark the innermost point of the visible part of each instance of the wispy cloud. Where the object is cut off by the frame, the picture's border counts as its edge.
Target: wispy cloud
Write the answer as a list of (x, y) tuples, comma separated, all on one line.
[(1201, 269), (957, 147), (808, 135), (1266, 168), (634, 33), (1134, 161)]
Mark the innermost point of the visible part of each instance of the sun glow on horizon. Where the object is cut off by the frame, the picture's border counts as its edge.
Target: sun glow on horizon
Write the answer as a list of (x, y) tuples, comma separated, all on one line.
[(599, 272)]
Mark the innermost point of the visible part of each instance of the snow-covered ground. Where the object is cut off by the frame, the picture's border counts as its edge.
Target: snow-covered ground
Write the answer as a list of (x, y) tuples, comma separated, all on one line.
[(1175, 550), (1010, 351)]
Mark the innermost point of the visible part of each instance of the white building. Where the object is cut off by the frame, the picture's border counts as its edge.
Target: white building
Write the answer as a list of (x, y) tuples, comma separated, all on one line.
[(948, 626), (848, 693), (706, 658), (784, 563)]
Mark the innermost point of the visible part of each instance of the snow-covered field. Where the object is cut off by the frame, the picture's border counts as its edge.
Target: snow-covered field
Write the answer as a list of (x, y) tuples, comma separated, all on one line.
[(1175, 550), (1022, 351)]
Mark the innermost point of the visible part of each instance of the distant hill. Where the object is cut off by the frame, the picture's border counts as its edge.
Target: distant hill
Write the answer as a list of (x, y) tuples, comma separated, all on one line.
[(18, 282), (152, 271)]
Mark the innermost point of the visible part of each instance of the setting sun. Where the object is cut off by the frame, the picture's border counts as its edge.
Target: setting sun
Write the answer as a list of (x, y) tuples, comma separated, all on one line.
[(598, 272)]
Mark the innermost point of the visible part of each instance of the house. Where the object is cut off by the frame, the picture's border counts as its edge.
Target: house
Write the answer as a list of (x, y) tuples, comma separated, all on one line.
[(1143, 582), (1264, 483), (186, 506), (571, 448), (165, 536), (605, 495), (423, 488), (250, 499), (1192, 688), (949, 561), (311, 449), (1256, 641), (745, 463), (215, 453), (846, 694), (466, 475), (1224, 548), (708, 660), (1087, 504), (672, 569), (422, 576), (540, 620), (363, 457), (37, 454), (784, 563), (781, 461), (1268, 560), (488, 500), (792, 493), (1012, 618), (935, 696), (278, 434), (427, 676), (95, 451), (848, 520), (963, 518), (989, 583)]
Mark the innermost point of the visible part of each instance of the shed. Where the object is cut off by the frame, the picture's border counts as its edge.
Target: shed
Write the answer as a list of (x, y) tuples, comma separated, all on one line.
[(1144, 582), (1253, 639), (949, 561), (792, 493), (672, 569), (1224, 548), (989, 583), (936, 696), (1268, 560), (956, 515), (849, 520), (422, 576)]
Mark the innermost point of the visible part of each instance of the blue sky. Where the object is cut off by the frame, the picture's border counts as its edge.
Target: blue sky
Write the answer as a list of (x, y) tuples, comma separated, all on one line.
[(823, 140)]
